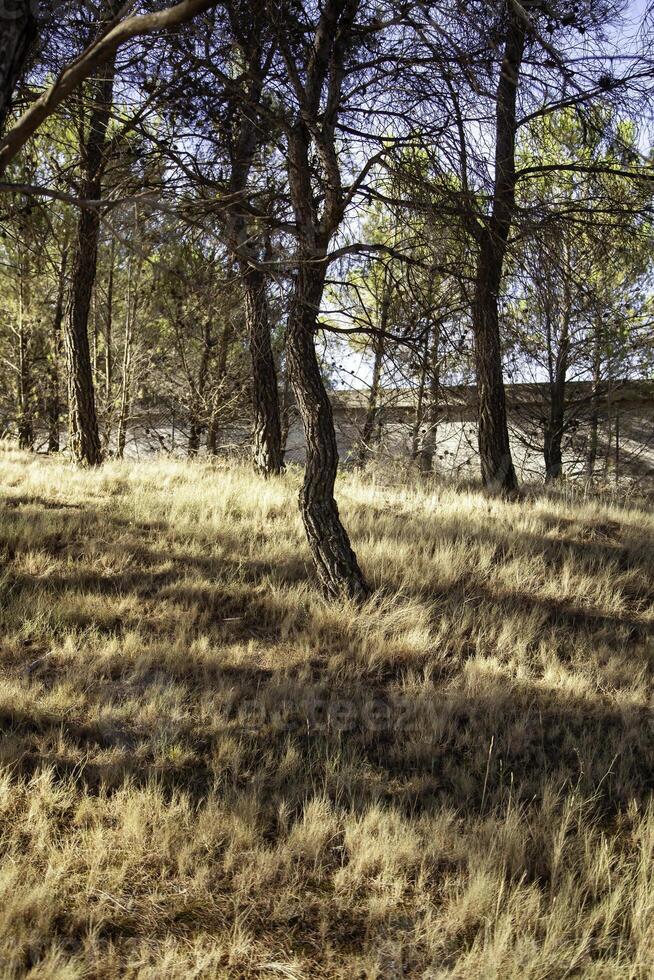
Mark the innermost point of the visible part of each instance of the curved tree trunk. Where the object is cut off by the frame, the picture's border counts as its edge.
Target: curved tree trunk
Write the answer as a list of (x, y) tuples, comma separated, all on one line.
[(333, 557), (316, 223), (267, 438)]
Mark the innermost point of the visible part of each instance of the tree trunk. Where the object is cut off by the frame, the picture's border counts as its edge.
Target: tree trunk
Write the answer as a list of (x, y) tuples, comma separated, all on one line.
[(497, 471), (430, 417), (555, 425), (212, 427), (25, 423), (286, 407), (420, 402), (123, 415), (82, 419), (594, 408), (53, 398), (335, 562), (267, 450), (267, 436), (553, 434), (17, 32), (108, 350)]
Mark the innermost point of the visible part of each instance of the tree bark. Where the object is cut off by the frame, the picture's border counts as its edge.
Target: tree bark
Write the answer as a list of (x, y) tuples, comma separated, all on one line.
[(333, 557), (553, 433), (82, 420), (316, 222), (497, 471), (17, 32), (54, 399), (84, 437), (268, 453)]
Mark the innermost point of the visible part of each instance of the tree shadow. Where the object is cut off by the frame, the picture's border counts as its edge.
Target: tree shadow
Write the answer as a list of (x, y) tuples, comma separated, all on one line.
[(373, 738)]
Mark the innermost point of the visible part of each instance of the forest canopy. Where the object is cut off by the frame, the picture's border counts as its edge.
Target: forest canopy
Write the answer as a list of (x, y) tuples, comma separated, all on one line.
[(210, 209)]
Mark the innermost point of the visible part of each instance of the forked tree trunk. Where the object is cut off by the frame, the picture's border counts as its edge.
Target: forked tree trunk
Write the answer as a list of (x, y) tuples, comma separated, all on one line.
[(497, 471), (333, 557), (17, 31), (267, 437), (54, 358), (84, 437)]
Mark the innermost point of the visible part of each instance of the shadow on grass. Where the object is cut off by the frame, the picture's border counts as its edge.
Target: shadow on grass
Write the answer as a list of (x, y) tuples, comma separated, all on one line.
[(292, 733)]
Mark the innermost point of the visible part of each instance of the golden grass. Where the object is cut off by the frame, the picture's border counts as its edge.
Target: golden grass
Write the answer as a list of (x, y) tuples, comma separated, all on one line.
[(208, 771)]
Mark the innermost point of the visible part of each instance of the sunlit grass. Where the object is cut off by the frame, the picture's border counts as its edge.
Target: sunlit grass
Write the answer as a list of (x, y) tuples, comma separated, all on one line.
[(208, 770)]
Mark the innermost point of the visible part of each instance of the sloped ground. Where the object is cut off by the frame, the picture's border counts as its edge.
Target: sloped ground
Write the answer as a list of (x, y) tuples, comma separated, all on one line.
[(208, 771)]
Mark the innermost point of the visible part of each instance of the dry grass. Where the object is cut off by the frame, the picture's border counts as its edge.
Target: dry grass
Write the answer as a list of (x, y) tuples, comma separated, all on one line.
[(207, 771)]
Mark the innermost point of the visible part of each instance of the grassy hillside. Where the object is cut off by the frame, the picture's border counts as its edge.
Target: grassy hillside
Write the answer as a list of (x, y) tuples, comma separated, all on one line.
[(208, 771)]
